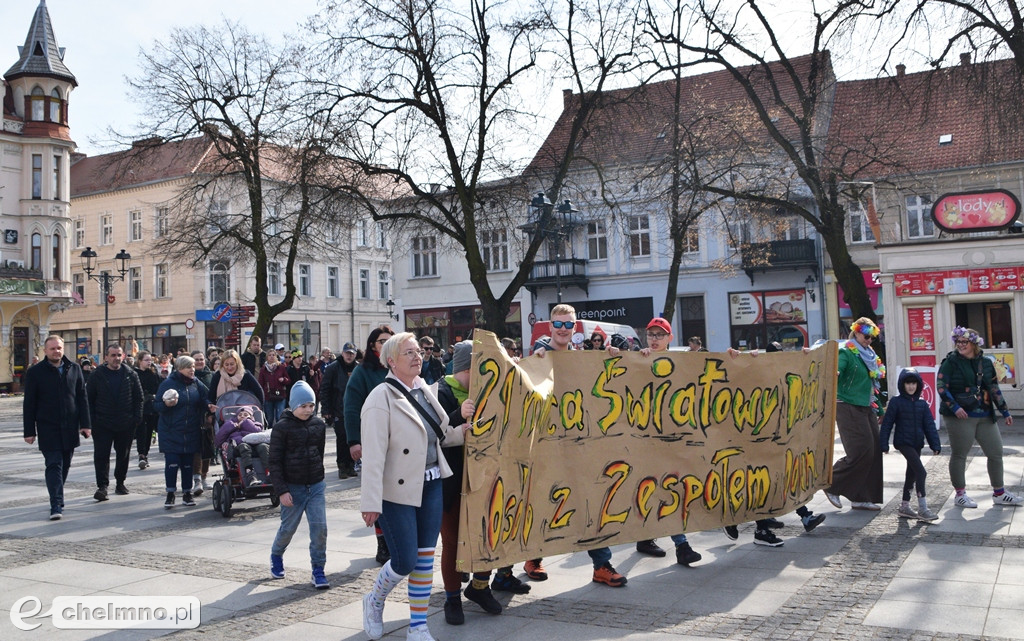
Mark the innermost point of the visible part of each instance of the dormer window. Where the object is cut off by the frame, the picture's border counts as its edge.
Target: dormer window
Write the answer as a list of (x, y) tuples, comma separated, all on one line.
[(38, 103), (55, 106)]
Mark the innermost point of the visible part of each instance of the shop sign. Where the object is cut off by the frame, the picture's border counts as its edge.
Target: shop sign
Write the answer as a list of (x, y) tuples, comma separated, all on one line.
[(975, 211), (922, 329), (959, 281), (635, 312), (745, 308)]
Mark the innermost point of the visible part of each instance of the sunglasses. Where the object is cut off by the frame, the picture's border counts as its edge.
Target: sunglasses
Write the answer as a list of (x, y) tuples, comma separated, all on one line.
[(563, 324)]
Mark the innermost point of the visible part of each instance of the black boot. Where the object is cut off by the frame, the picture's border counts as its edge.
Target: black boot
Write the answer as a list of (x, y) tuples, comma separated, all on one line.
[(383, 554)]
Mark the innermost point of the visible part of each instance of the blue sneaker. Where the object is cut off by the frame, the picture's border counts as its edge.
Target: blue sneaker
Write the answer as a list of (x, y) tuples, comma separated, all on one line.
[(319, 580), (276, 566)]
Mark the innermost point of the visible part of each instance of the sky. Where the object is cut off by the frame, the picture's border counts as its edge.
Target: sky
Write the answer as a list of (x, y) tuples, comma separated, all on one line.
[(103, 38)]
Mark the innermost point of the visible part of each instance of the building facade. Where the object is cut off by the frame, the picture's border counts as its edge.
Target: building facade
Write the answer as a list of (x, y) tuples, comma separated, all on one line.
[(163, 304), (35, 159)]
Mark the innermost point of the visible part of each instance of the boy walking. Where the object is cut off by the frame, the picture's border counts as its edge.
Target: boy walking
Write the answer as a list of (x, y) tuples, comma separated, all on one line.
[(912, 419), (297, 472)]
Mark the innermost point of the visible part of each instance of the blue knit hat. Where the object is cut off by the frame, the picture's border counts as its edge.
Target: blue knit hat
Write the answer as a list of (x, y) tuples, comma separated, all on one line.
[(301, 393)]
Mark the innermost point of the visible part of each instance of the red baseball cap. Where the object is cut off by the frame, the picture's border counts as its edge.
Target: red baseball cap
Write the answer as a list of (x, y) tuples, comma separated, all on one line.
[(660, 323)]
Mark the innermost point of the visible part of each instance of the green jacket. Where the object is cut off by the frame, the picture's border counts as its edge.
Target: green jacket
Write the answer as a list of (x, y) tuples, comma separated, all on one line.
[(854, 386), (960, 375), (366, 376)]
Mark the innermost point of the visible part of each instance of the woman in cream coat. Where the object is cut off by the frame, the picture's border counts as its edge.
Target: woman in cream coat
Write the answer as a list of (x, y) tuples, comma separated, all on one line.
[(401, 481)]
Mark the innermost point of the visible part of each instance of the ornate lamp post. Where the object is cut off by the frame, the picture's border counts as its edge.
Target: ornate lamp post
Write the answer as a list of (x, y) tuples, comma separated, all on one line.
[(391, 309), (558, 228), (122, 260)]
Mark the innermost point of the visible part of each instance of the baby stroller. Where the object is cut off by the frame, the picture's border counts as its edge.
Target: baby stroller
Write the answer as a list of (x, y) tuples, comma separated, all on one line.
[(232, 486)]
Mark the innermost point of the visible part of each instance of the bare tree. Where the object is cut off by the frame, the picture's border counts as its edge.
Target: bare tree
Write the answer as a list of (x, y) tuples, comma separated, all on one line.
[(790, 100), (435, 95), (241, 96)]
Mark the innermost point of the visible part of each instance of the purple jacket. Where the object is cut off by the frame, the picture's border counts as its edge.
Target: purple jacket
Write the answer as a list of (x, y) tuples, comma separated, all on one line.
[(229, 430)]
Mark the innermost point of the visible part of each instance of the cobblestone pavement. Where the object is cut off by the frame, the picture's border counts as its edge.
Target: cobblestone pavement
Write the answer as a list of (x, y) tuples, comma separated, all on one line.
[(861, 575)]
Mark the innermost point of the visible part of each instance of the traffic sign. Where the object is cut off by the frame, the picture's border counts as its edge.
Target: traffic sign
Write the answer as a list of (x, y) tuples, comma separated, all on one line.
[(222, 313)]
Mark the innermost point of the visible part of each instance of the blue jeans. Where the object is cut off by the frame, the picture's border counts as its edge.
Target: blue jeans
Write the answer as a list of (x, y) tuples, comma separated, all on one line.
[(407, 527), (58, 462), (173, 461), (678, 539), (272, 411), (600, 556), (308, 500)]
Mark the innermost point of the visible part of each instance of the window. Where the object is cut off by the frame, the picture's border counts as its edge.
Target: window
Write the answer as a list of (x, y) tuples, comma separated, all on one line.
[(382, 237), (79, 231), (790, 228), (37, 252), (37, 176), (597, 240), (273, 222), (383, 285), (274, 279), (55, 105), (218, 219), (160, 281), (333, 235), (160, 222), (38, 104), (78, 289), (106, 229), (494, 245), (56, 177), (305, 280), (691, 244), (919, 217), (739, 234), (55, 245), (103, 294), (424, 256), (361, 233), (639, 232), (220, 281), (135, 220), (860, 230), (364, 283), (135, 283), (332, 282)]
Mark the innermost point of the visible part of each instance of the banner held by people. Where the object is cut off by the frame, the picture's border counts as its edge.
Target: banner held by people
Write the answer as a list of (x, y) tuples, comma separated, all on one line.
[(579, 450)]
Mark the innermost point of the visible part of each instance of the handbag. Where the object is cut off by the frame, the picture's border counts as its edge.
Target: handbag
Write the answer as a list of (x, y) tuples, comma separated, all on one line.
[(426, 415)]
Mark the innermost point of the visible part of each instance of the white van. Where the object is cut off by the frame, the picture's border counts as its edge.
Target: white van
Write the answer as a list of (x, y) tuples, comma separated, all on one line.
[(584, 330)]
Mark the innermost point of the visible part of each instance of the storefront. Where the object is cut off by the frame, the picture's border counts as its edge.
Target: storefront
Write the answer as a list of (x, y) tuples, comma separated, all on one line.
[(449, 325), (926, 300), (757, 318)]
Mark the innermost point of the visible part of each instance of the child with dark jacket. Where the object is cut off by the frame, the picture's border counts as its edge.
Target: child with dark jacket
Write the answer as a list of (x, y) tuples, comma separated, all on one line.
[(297, 472), (910, 420)]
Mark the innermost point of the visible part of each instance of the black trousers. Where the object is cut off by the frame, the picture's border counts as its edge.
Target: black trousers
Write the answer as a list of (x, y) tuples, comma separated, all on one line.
[(344, 456), (103, 439), (144, 434)]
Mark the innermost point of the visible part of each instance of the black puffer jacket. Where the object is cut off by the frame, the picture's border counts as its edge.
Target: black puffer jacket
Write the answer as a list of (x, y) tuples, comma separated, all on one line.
[(332, 388), (115, 411), (908, 417), (297, 451), (150, 381)]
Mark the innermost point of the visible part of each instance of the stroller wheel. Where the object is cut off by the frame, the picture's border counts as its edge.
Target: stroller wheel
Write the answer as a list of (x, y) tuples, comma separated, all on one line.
[(216, 496)]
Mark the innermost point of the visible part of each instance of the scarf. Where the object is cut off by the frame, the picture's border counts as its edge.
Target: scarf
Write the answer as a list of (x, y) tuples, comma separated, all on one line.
[(874, 364), (228, 383)]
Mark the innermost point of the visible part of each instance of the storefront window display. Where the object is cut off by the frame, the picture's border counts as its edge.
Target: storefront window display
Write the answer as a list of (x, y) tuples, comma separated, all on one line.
[(760, 318)]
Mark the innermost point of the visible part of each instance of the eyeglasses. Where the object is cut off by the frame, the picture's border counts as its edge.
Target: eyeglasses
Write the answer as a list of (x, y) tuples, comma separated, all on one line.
[(563, 324), (412, 353), (656, 337), (963, 342)]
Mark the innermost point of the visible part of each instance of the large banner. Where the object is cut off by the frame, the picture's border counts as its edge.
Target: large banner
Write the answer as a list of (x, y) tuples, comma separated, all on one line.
[(577, 450)]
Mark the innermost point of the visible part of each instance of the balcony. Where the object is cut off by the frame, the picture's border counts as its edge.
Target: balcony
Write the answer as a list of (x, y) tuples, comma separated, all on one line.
[(778, 254), (573, 273)]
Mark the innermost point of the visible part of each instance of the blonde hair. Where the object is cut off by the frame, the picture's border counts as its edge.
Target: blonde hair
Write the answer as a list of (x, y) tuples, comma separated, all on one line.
[(234, 355), (563, 309)]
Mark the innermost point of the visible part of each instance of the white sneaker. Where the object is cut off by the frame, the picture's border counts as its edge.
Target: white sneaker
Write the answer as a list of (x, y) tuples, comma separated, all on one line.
[(864, 505), (1007, 499), (373, 619), (419, 633), (834, 500), (964, 501)]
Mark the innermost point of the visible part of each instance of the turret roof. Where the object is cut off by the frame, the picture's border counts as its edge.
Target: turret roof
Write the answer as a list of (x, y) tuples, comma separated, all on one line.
[(40, 55)]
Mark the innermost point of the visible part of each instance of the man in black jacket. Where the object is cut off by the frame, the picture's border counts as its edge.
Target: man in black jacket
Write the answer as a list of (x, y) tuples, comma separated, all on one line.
[(332, 400), (55, 410), (115, 407)]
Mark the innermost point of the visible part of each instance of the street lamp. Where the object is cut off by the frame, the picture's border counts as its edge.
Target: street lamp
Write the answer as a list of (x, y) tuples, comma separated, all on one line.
[(557, 227), (391, 309), (810, 284), (104, 278)]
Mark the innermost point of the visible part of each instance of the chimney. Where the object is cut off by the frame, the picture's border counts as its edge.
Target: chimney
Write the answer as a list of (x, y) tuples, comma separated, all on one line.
[(566, 98), (965, 59), (901, 70)]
